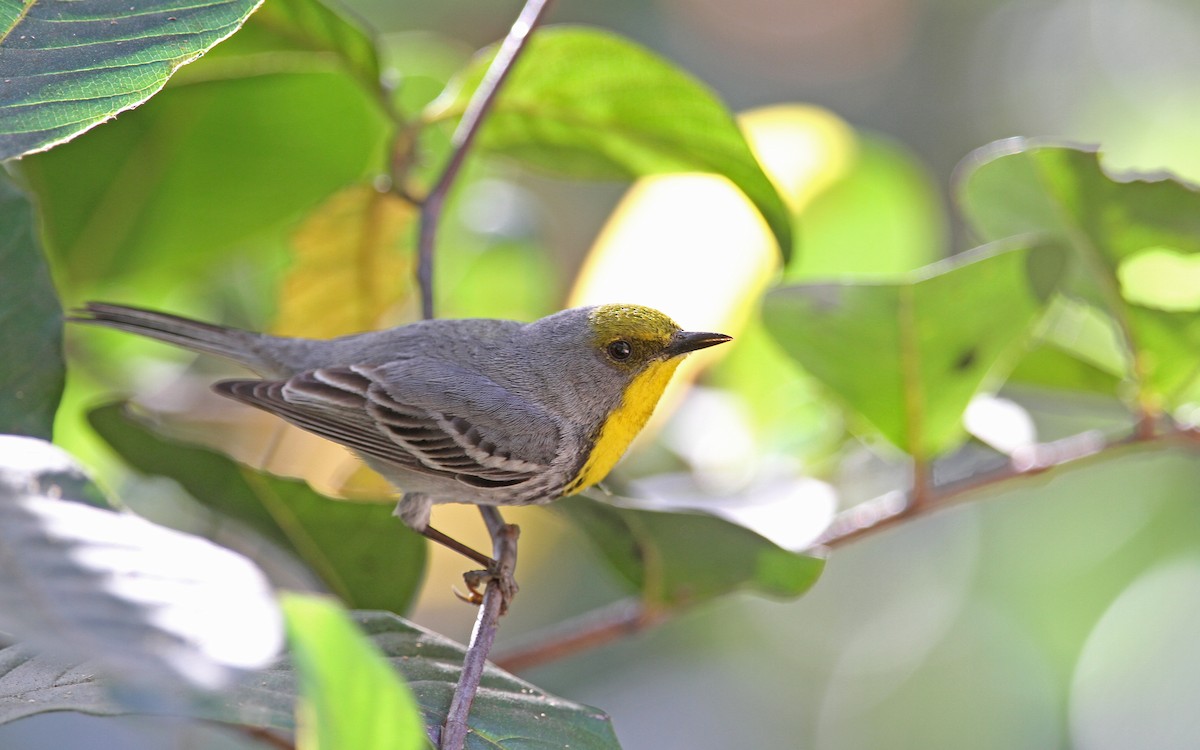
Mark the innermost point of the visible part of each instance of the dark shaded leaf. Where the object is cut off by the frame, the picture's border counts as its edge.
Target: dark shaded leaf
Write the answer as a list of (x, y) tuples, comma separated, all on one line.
[(361, 551), (33, 683), (678, 558), (31, 361), (508, 712)]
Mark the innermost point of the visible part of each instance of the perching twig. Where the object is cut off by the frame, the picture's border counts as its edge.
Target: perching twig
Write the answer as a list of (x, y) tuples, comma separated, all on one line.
[(464, 135), (454, 732), (630, 616)]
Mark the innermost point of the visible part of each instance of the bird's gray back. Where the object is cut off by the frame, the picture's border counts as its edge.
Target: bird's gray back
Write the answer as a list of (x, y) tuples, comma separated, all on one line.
[(551, 362), (463, 341)]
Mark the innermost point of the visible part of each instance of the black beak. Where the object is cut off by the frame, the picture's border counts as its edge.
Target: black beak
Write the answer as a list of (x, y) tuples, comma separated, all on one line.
[(687, 341)]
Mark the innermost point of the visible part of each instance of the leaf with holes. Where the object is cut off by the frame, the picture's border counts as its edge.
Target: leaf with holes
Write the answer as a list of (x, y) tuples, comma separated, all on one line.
[(31, 368), (908, 356)]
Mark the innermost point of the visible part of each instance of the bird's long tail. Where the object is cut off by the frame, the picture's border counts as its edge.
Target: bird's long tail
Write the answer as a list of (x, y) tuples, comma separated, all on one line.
[(240, 346)]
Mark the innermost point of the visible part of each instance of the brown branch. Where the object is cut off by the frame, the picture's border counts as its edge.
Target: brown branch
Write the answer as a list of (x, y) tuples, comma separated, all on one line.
[(464, 135), (883, 512), (922, 492), (627, 617), (261, 735), (590, 630)]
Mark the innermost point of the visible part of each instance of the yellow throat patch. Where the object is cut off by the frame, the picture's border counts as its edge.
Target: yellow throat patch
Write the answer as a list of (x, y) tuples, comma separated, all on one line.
[(625, 422)]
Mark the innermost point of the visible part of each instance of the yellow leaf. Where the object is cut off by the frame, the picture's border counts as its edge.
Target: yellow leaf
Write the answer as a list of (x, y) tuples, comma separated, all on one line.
[(803, 149), (349, 267)]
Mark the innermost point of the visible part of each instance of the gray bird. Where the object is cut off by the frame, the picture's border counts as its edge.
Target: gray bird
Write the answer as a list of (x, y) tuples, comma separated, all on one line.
[(491, 412)]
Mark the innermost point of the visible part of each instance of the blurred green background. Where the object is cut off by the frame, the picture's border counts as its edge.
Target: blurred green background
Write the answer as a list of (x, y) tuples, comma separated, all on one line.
[(1051, 614)]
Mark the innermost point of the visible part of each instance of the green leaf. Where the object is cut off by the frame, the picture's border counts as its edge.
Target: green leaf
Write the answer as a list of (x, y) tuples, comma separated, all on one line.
[(67, 67), (908, 356), (680, 558), (257, 132), (1048, 366), (1167, 343), (1123, 233), (589, 104), (508, 712), (1018, 186), (31, 361), (1079, 348), (362, 552), (303, 26), (32, 683), (349, 695)]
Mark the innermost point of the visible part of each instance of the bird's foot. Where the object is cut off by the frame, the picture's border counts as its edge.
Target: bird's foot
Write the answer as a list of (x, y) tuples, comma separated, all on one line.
[(501, 571), (477, 581)]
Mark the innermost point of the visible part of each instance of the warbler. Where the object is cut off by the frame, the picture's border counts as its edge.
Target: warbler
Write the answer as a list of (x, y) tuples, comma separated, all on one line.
[(492, 412)]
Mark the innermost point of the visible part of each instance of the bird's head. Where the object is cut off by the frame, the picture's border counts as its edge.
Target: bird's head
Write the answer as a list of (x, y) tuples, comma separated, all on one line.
[(607, 355), (632, 337)]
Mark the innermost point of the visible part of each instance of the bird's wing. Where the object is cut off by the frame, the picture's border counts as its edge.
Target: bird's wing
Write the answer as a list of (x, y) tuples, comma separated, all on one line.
[(428, 417)]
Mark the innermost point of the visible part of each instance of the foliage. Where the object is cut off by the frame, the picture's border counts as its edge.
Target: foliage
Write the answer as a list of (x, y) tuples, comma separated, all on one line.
[(346, 544), (32, 335), (281, 164)]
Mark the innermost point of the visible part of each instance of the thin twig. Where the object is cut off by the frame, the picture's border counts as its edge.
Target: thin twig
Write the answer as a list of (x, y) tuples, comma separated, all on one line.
[(628, 617), (922, 492), (874, 516), (454, 731), (464, 135)]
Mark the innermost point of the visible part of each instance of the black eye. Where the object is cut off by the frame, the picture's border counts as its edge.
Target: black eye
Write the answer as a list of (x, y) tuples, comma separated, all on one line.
[(620, 350)]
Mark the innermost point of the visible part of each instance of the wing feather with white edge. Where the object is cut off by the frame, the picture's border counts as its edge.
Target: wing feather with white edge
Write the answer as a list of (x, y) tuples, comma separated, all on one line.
[(430, 418)]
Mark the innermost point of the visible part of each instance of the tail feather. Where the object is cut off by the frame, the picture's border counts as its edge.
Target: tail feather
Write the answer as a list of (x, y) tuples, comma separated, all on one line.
[(232, 343)]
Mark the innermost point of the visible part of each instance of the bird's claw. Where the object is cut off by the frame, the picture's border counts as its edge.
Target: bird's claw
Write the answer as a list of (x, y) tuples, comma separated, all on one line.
[(477, 580)]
